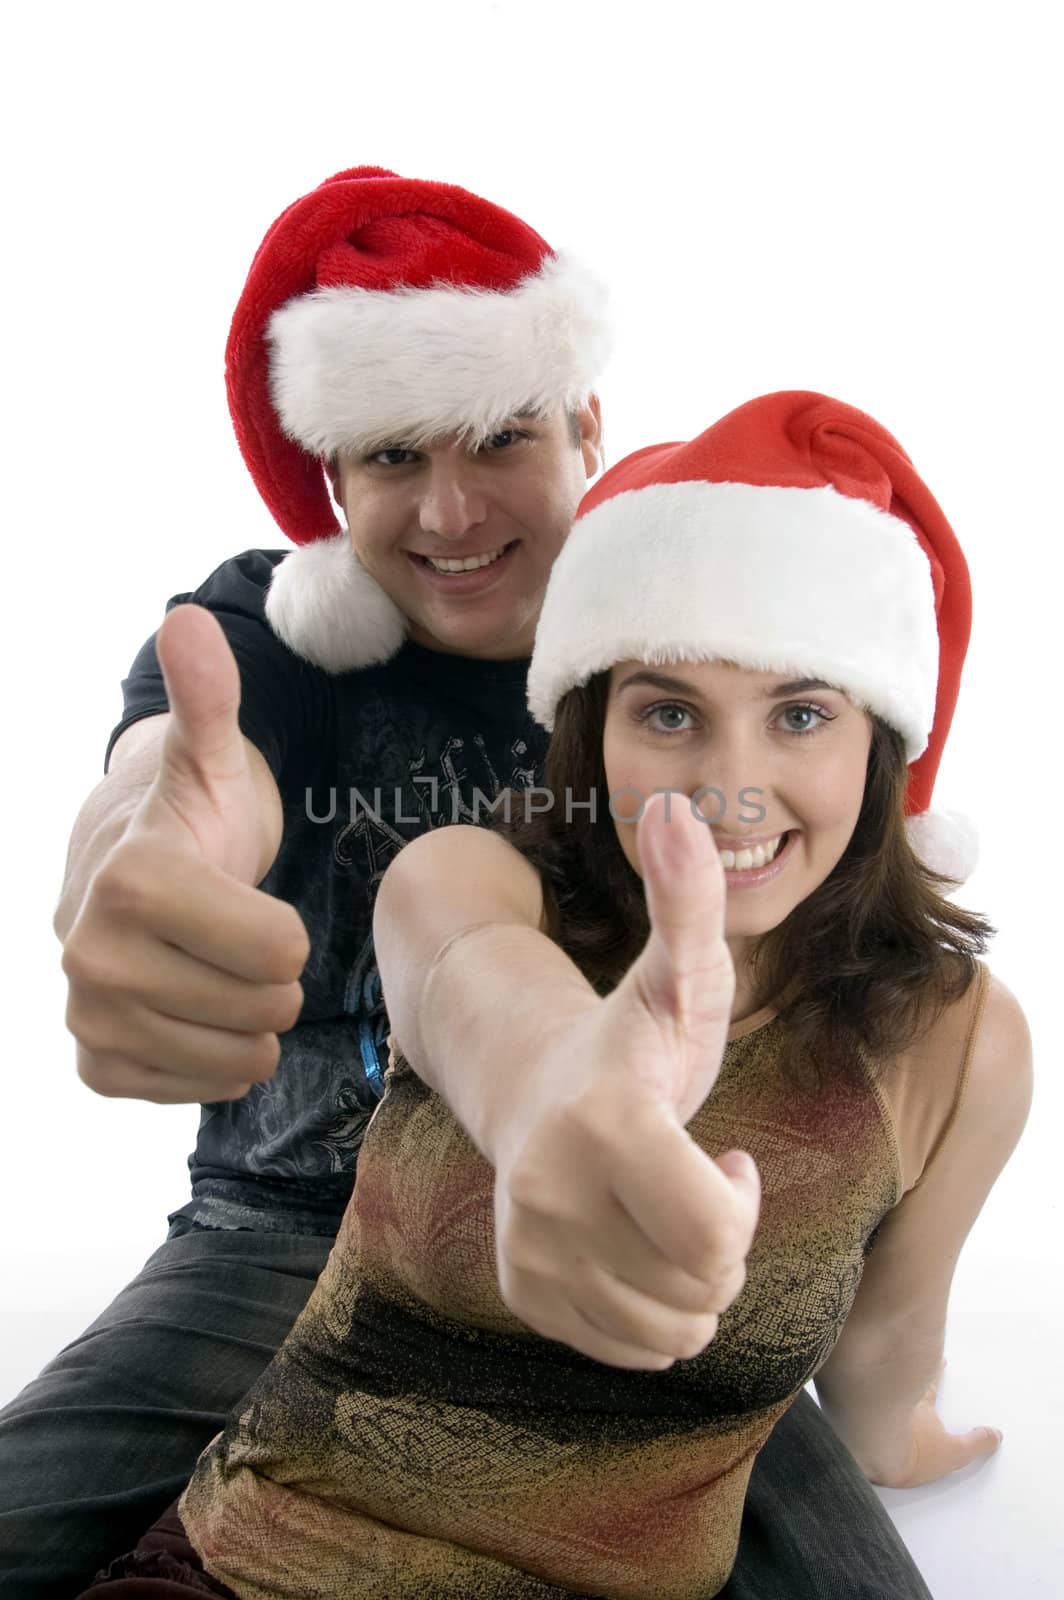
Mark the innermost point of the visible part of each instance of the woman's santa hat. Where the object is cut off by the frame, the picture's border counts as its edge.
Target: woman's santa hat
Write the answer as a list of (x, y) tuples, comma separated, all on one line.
[(794, 536), (383, 310)]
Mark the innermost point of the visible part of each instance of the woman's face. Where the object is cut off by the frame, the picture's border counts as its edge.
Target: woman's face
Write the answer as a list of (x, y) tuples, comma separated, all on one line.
[(776, 769)]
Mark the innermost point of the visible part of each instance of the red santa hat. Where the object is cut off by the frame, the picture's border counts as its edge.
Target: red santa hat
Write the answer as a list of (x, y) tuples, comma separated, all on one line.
[(794, 536), (381, 309)]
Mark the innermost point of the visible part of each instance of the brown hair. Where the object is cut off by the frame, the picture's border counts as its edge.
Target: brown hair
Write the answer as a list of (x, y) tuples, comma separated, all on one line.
[(864, 964)]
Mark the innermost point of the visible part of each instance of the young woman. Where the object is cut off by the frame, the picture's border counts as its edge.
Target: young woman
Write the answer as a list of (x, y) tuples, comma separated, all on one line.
[(694, 1096)]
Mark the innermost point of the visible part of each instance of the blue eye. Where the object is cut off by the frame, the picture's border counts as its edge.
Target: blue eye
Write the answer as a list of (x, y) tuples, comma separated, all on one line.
[(664, 709), (809, 711)]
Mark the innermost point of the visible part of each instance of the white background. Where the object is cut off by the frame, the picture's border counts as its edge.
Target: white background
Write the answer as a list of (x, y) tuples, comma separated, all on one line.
[(858, 199)]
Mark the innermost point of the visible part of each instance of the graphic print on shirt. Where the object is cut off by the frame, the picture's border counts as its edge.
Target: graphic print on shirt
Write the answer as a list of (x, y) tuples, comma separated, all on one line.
[(461, 797)]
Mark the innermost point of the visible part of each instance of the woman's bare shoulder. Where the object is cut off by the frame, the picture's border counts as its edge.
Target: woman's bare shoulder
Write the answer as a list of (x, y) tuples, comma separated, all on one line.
[(1001, 1069), (986, 1023), (974, 1060)]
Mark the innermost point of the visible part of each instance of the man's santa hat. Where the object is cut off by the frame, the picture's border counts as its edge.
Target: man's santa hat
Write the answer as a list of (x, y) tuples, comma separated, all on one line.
[(382, 310), (794, 536)]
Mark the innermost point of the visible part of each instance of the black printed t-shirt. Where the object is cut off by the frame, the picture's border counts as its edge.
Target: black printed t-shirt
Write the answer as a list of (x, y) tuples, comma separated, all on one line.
[(364, 761)]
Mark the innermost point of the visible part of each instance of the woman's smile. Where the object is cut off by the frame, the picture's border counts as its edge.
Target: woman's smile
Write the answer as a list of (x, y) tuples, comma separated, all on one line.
[(757, 863)]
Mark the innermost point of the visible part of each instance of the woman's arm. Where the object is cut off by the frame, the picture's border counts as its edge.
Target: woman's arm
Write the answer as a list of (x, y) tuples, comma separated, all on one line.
[(467, 972), (877, 1386), (615, 1232)]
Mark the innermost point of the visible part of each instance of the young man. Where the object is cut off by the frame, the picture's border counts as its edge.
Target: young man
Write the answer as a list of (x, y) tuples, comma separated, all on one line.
[(283, 737)]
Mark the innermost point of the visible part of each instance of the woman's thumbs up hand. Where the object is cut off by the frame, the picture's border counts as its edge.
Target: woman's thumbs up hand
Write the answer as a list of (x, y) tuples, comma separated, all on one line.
[(615, 1232)]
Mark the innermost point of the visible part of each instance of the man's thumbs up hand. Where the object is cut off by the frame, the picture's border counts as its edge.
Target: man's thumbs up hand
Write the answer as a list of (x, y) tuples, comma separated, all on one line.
[(181, 973), (204, 771)]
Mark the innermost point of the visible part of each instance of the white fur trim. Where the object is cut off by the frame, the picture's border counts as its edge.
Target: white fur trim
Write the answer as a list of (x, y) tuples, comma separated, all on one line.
[(805, 582), (945, 841), (354, 368), (325, 606)]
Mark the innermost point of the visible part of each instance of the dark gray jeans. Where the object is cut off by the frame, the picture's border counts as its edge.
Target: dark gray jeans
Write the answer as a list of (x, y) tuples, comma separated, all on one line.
[(97, 1447)]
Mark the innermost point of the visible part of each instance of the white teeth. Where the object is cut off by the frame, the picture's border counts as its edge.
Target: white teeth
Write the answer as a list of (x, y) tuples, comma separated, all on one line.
[(469, 564), (759, 856)]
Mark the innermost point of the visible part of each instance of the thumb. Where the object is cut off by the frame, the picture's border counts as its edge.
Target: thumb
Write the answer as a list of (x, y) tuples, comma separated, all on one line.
[(203, 740), (740, 1169), (685, 968), (977, 1442), (948, 1452)]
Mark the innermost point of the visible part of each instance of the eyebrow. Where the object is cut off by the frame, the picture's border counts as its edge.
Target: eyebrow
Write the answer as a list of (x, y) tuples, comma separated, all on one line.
[(661, 680)]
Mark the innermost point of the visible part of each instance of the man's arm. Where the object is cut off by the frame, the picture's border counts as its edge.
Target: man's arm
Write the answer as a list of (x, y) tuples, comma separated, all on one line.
[(181, 973), (877, 1386), (615, 1232)]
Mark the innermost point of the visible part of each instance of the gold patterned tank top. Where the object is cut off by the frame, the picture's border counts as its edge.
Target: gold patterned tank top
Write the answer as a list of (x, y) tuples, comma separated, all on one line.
[(412, 1440)]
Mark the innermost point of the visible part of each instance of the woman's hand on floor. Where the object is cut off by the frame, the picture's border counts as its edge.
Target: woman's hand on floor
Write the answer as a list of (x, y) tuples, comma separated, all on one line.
[(615, 1233), (933, 1451)]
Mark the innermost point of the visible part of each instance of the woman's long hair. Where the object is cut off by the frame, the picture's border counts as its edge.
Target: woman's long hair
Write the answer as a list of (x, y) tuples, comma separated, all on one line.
[(864, 964)]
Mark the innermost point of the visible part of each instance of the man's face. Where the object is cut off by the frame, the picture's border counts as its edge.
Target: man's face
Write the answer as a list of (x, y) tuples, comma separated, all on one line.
[(509, 503)]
